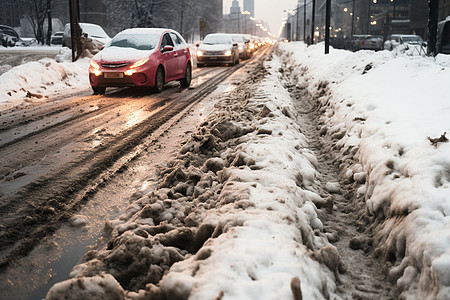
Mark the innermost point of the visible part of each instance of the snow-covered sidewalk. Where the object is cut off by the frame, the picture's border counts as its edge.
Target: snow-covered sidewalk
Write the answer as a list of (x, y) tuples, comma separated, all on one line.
[(37, 81), (394, 111)]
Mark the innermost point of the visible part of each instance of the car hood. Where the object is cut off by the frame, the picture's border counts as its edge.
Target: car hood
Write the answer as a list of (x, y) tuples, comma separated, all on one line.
[(215, 47), (118, 54)]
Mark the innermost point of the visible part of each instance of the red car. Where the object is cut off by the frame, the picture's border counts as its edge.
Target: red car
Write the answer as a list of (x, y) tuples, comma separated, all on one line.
[(141, 57)]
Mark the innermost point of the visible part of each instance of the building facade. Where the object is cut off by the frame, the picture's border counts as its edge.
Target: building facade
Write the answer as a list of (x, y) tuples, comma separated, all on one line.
[(249, 5)]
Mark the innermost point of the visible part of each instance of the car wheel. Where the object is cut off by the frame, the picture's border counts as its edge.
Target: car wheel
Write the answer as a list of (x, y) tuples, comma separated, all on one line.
[(99, 90), (159, 80), (237, 60), (186, 81)]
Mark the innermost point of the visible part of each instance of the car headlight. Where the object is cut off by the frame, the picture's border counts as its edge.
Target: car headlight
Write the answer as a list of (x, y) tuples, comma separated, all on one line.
[(199, 53), (95, 68), (139, 63), (228, 53)]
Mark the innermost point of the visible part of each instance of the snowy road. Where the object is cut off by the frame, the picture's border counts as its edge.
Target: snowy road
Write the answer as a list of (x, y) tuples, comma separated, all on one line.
[(298, 178), (251, 207), (60, 155)]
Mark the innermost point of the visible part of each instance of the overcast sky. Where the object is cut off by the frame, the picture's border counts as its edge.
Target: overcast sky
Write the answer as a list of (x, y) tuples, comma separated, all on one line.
[(270, 11)]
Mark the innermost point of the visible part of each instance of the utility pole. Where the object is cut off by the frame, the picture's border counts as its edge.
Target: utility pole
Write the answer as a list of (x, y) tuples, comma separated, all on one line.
[(327, 26), (49, 18), (433, 12), (74, 29), (181, 17), (304, 21), (313, 20), (353, 18)]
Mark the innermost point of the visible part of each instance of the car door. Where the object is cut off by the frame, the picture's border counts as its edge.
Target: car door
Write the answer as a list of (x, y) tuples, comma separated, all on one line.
[(169, 58), (181, 53)]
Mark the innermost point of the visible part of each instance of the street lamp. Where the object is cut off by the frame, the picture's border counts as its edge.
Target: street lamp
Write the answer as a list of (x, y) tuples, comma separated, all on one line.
[(245, 13), (252, 27), (288, 27)]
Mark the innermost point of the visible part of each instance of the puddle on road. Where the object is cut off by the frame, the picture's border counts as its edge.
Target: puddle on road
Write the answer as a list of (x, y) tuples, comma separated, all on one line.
[(52, 260)]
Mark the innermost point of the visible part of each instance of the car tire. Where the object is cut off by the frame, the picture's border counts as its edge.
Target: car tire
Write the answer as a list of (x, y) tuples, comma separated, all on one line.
[(99, 90), (237, 60), (186, 81), (159, 80)]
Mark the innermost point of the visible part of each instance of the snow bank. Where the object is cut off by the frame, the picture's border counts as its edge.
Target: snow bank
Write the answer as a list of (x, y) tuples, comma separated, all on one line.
[(393, 110), (229, 219), (36, 81)]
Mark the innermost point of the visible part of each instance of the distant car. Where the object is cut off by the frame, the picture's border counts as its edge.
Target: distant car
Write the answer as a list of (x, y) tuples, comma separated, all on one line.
[(355, 42), (443, 37), (93, 31), (57, 38), (395, 40), (244, 46), (217, 48), (9, 37), (141, 57), (371, 42)]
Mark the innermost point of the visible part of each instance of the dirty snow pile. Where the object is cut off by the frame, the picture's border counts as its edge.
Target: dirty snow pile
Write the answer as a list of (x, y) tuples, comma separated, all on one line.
[(37, 81), (228, 220), (395, 111)]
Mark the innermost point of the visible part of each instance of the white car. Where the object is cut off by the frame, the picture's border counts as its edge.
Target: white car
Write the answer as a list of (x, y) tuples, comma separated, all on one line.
[(93, 31), (217, 48), (395, 40)]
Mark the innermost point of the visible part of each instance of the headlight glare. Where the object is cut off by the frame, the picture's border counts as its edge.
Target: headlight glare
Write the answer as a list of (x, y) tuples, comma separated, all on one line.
[(228, 53), (139, 63)]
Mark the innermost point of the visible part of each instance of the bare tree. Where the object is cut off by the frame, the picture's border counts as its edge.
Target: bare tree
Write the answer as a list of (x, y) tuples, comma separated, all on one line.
[(181, 15), (37, 11)]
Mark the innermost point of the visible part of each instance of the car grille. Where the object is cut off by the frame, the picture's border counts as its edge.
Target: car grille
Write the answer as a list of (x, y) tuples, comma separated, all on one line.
[(213, 52), (115, 66)]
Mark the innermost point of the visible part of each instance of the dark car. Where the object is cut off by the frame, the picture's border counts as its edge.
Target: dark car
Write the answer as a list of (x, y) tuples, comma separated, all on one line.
[(443, 37), (217, 48), (9, 37), (145, 57), (57, 38)]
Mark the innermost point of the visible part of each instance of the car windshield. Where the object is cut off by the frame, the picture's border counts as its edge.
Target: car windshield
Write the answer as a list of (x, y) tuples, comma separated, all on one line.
[(217, 39), (93, 30), (136, 41), (412, 39), (238, 38)]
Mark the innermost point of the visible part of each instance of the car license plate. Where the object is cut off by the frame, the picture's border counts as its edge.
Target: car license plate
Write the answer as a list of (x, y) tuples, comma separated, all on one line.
[(113, 75)]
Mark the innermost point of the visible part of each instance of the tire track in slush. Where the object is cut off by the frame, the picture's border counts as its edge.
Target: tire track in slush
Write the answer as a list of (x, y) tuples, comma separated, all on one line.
[(360, 273), (54, 196)]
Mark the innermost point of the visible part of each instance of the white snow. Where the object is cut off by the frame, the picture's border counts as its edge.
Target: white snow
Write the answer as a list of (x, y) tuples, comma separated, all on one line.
[(389, 112), (265, 231), (37, 81)]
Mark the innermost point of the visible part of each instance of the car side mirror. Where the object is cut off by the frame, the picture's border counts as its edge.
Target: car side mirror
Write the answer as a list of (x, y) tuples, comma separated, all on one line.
[(197, 45), (167, 48), (235, 45)]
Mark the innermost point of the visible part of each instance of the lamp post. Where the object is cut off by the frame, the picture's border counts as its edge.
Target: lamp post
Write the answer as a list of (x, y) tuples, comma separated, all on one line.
[(313, 20), (288, 24), (245, 13), (252, 27)]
